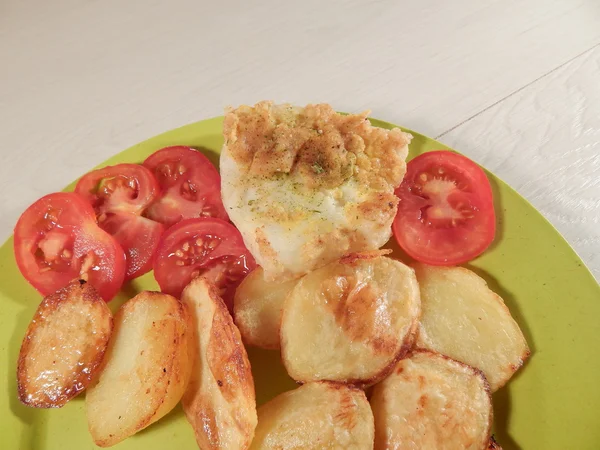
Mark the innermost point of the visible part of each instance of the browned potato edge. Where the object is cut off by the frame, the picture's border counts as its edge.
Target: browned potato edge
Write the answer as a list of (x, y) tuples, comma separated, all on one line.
[(48, 305)]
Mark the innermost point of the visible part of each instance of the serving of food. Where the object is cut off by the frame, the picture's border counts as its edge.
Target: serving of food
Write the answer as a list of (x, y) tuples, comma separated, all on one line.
[(182, 299)]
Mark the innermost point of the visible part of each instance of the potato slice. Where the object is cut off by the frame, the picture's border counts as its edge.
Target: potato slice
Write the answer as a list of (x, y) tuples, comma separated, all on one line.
[(63, 346), (351, 320), (463, 319), (431, 402), (315, 416), (219, 402), (257, 309), (147, 368)]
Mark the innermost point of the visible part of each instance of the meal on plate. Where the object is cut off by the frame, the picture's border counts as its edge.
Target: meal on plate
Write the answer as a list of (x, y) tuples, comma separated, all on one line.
[(282, 249)]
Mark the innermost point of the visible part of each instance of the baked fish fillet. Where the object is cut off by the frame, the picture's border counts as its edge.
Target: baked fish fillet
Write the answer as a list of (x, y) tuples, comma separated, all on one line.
[(306, 186)]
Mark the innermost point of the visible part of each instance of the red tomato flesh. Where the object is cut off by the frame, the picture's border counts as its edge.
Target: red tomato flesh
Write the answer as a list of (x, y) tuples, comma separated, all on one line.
[(446, 209), (190, 186), (139, 238), (119, 195), (122, 188), (206, 247), (57, 240)]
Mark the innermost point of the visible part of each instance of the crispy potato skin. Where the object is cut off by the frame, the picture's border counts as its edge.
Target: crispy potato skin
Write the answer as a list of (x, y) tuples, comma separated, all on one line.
[(317, 415), (219, 402), (257, 309), (431, 402), (493, 445), (351, 320), (63, 346), (463, 319), (146, 371)]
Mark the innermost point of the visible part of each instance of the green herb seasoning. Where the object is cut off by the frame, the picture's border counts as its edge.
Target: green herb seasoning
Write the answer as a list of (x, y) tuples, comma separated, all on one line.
[(317, 168)]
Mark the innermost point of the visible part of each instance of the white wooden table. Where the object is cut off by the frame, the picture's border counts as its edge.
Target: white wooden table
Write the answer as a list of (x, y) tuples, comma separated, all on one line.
[(514, 84)]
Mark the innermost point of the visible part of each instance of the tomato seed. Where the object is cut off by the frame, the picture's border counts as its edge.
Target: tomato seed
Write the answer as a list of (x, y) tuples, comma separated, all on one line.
[(88, 263)]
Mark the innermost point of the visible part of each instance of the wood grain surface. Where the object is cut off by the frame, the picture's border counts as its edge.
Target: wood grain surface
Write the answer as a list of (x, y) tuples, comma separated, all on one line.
[(545, 142), (513, 84)]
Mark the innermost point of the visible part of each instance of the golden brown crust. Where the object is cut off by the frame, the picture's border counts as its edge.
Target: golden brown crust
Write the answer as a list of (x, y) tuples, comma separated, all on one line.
[(324, 147), (63, 346), (227, 357), (316, 415), (430, 401), (365, 307), (353, 258), (472, 369), (489, 337), (219, 401), (351, 303), (266, 250), (146, 370), (493, 445)]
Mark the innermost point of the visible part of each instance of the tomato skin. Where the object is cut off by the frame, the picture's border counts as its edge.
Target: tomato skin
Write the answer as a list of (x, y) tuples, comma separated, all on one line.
[(446, 210), (207, 247), (57, 240), (190, 186), (119, 195)]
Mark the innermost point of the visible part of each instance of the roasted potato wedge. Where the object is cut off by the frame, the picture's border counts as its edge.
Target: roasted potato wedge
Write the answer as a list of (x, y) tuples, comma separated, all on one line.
[(147, 368), (351, 320), (63, 346), (317, 415), (219, 402), (257, 309), (463, 319), (431, 402)]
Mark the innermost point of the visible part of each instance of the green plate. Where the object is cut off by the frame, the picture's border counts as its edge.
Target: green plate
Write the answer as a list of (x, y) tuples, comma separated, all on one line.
[(552, 403)]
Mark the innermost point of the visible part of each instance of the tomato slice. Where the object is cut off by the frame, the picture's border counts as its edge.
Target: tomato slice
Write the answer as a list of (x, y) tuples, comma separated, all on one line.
[(139, 238), (121, 188), (190, 186), (119, 195), (446, 209), (206, 246), (57, 240)]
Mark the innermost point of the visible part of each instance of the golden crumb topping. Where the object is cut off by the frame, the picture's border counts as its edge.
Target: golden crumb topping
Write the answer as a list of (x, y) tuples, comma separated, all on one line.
[(316, 145)]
